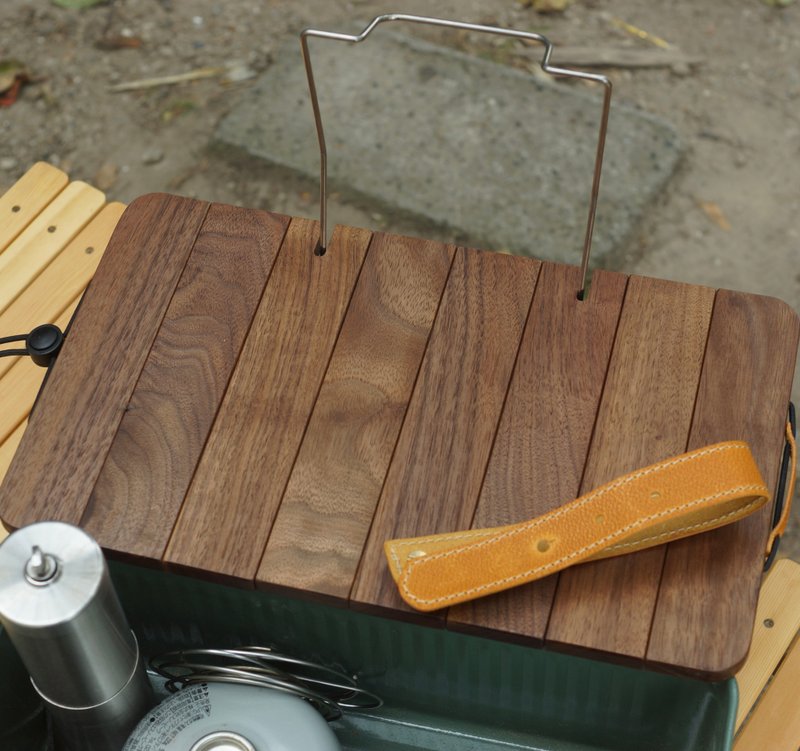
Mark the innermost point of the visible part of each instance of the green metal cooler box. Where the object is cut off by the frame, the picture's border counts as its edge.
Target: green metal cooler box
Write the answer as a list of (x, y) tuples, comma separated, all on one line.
[(442, 691)]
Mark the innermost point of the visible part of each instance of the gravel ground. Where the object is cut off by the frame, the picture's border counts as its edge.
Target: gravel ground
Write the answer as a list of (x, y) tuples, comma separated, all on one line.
[(729, 218)]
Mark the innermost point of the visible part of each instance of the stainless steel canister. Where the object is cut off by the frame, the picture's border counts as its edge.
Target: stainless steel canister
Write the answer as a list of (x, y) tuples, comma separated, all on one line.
[(63, 616)]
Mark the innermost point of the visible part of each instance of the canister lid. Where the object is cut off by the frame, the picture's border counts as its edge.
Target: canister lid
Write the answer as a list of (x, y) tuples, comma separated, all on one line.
[(223, 741), (232, 717), (49, 572)]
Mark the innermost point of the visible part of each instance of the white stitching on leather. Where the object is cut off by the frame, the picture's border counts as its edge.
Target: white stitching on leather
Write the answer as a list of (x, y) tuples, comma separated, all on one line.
[(699, 525), (574, 505), (588, 548), (419, 541)]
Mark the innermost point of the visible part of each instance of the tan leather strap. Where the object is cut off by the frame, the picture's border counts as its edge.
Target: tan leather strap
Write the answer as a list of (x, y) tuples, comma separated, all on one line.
[(780, 527), (681, 496)]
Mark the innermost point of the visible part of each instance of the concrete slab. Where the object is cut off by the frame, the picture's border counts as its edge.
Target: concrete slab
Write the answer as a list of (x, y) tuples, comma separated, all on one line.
[(499, 156)]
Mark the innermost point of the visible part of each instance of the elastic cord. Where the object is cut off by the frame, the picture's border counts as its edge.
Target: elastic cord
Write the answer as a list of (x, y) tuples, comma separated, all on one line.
[(13, 352), (788, 494)]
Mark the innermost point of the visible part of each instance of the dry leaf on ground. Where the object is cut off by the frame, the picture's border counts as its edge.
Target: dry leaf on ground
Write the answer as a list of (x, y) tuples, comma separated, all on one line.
[(118, 42), (715, 214), (13, 76), (548, 6)]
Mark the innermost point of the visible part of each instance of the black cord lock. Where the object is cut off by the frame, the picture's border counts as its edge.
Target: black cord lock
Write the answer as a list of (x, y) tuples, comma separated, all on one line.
[(42, 345)]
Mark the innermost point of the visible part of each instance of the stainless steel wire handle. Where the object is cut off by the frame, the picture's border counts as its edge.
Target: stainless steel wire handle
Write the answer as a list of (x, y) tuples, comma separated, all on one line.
[(329, 690), (545, 64)]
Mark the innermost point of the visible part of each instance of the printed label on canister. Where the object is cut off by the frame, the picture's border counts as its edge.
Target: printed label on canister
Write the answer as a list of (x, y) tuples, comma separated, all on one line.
[(227, 716), (165, 722)]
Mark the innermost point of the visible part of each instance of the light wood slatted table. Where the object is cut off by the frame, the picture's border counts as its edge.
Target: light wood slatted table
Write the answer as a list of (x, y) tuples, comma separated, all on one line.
[(52, 236), (769, 707), (230, 405)]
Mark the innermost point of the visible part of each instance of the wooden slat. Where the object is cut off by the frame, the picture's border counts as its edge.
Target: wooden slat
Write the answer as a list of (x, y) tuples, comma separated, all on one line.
[(319, 399), (26, 198), (7, 450), (323, 521), (777, 624), (20, 385), (236, 491), (140, 490), (69, 434), (644, 417), (62, 219), (62, 280), (776, 722), (435, 475), (714, 578), (8, 447), (541, 446), (18, 389)]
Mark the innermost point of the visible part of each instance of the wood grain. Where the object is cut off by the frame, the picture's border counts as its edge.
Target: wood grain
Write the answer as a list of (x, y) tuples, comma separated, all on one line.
[(436, 473), (143, 482), (7, 450), (644, 417), (225, 521), (711, 581), (776, 723), (27, 198), (420, 379), (77, 416), (333, 491), (538, 457), (25, 258), (777, 624), (9, 446), (62, 281)]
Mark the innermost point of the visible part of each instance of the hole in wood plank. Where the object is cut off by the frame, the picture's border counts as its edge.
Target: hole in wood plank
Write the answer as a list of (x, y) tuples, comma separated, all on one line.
[(769, 623), (89, 250), (51, 228), (15, 209), (583, 294)]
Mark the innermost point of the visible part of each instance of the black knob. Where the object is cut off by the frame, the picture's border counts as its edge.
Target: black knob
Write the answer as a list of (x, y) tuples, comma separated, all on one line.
[(43, 343)]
